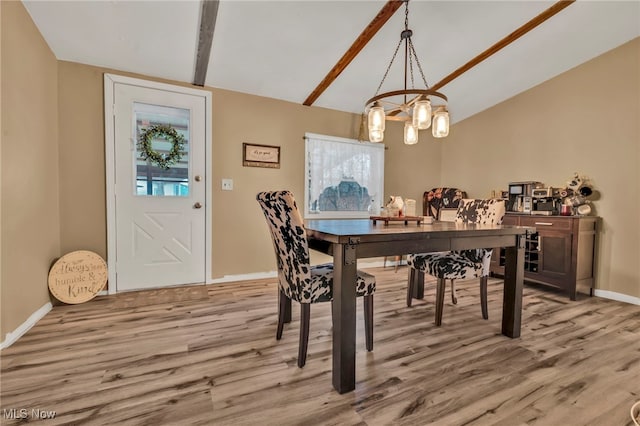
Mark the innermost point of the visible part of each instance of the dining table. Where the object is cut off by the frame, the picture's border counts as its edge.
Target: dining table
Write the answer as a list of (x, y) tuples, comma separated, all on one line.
[(348, 240)]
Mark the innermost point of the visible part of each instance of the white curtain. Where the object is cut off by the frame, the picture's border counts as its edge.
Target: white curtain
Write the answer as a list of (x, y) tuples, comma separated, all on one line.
[(336, 162)]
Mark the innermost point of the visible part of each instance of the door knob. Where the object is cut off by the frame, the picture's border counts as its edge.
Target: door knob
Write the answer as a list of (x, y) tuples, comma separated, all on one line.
[(197, 205), (197, 178)]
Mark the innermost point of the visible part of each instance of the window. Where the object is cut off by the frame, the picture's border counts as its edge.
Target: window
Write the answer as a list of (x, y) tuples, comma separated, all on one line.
[(344, 177), (151, 179)]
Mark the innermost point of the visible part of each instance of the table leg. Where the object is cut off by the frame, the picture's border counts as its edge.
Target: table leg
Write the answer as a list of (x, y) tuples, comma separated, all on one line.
[(344, 317), (513, 278)]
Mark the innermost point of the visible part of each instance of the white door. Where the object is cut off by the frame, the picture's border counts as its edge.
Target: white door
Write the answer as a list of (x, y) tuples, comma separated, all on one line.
[(159, 209)]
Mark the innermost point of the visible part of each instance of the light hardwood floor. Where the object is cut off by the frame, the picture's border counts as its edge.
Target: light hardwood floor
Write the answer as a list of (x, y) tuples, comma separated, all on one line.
[(208, 355)]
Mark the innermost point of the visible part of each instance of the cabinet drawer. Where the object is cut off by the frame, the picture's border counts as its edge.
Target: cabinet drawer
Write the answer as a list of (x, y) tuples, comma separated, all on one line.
[(541, 223), (510, 220)]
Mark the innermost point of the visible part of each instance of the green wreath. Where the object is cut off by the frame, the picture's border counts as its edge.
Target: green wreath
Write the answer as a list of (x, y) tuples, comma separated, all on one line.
[(165, 132)]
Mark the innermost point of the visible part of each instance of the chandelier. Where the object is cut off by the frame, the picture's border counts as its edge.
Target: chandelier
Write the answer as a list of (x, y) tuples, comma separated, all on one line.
[(415, 109)]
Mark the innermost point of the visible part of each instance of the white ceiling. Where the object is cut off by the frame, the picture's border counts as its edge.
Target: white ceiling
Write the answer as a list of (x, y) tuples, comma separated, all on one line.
[(283, 49)]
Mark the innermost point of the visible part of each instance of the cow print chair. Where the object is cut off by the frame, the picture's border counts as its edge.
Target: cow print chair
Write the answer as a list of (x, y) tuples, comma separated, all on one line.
[(459, 265), (297, 279)]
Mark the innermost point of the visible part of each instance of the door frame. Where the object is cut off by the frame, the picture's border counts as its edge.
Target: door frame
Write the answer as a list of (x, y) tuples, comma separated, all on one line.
[(110, 80)]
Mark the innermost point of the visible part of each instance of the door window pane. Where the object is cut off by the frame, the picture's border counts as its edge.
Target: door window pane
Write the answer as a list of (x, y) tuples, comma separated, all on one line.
[(152, 180)]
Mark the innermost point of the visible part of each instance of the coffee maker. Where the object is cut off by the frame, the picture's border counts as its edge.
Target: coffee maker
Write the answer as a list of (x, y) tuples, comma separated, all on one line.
[(546, 201), (520, 196)]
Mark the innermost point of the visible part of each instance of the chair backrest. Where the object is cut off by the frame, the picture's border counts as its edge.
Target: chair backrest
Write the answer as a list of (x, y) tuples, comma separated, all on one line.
[(484, 212), (289, 242), (441, 198)]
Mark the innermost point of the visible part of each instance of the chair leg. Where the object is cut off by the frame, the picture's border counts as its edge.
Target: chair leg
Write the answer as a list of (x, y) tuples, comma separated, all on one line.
[(440, 300), (454, 298), (287, 310), (305, 313), (411, 282), (282, 312), (368, 320), (483, 297)]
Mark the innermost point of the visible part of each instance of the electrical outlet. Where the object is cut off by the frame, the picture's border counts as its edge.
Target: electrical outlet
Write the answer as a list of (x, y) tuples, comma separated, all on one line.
[(227, 184)]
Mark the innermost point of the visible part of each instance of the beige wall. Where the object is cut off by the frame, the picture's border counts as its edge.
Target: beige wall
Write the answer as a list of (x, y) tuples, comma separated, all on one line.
[(241, 243), (53, 177), (240, 238), (83, 215), (586, 120), (411, 169), (30, 218)]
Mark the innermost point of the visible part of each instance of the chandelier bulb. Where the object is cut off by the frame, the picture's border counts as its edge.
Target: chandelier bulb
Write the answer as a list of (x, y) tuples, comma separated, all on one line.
[(376, 136), (410, 134), (440, 123), (376, 118), (422, 114)]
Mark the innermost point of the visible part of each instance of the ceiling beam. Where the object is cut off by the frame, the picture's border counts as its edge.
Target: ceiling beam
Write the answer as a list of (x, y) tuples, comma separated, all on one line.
[(557, 7), (208, 15), (367, 34)]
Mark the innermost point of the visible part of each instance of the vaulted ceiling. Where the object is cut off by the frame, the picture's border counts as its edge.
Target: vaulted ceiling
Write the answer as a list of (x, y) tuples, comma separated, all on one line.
[(284, 49)]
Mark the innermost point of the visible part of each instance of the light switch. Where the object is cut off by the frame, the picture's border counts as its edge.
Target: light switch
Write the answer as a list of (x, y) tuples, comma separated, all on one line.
[(227, 184)]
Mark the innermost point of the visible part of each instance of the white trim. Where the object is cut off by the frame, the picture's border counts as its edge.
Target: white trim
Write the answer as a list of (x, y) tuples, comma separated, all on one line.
[(274, 274), (109, 122), (208, 182), (606, 294), (374, 264), (109, 155), (12, 337), (244, 277)]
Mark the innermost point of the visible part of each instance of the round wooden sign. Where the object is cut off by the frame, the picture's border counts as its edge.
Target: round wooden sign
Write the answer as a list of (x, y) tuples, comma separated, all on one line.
[(77, 277)]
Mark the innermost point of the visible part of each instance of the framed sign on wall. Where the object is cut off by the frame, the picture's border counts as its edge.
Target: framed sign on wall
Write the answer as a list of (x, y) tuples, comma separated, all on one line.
[(260, 156)]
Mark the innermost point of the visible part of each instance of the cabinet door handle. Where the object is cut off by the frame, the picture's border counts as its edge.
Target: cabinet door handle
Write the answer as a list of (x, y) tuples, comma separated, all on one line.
[(540, 243), (544, 223)]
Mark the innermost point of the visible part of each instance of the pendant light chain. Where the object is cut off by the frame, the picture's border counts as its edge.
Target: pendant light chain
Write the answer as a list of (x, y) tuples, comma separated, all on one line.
[(406, 15), (388, 67), (395, 52), (412, 49), (416, 113), (411, 65)]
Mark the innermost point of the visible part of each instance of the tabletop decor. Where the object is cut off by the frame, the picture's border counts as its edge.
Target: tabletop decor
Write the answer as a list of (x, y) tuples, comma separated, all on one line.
[(575, 193), (398, 219), (161, 131)]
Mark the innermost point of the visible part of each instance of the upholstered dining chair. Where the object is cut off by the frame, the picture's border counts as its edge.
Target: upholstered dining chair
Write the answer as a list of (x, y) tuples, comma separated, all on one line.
[(432, 202), (441, 198), (458, 265), (297, 279)]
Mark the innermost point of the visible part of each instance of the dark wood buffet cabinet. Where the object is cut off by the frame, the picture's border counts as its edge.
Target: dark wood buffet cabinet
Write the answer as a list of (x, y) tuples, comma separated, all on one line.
[(560, 253)]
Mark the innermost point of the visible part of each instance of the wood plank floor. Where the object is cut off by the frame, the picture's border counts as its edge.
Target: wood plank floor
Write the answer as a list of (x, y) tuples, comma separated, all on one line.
[(208, 355)]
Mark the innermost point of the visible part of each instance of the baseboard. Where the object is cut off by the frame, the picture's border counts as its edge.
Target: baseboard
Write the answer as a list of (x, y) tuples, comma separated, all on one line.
[(243, 277), (377, 263), (12, 337), (274, 274), (606, 294)]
